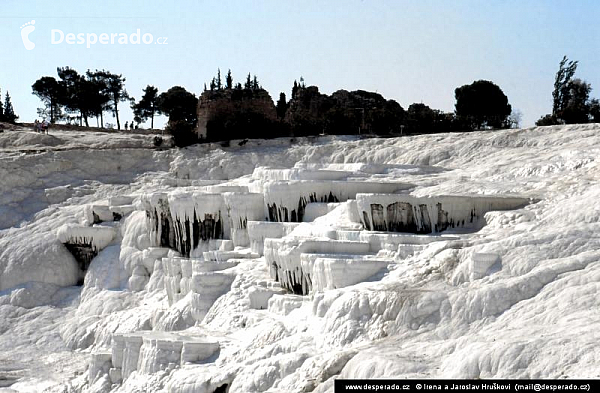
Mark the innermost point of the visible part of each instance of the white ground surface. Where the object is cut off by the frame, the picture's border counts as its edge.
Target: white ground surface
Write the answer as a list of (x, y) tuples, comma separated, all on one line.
[(517, 299)]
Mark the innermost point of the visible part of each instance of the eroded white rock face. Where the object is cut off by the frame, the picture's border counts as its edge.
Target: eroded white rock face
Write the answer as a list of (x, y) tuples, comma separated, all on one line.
[(332, 273), (258, 231), (286, 200), (513, 299), (283, 257), (191, 221), (429, 214), (242, 208), (40, 258), (151, 352), (260, 295), (97, 236), (184, 275)]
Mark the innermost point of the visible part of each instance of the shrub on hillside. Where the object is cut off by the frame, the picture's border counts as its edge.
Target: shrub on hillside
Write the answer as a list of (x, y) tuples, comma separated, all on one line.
[(183, 133)]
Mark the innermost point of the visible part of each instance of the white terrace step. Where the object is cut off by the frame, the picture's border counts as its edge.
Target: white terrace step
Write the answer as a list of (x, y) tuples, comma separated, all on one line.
[(151, 255), (186, 220), (95, 214), (285, 304), (96, 236), (314, 210), (184, 275), (389, 240), (404, 251), (262, 291), (148, 352), (100, 364), (186, 267), (266, 174), (258, 231), (206, 288), (141, 271), (332, 271), (283, 258), (120, 200), (286, 200), (403, 245), (226, 255), (430, 214)]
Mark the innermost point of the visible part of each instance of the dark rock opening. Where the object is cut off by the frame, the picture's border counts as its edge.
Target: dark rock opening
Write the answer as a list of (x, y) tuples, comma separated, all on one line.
[(97, 219), (307, 282), (184, 236), (295, 286), (83, 251), (378, 219), (425, 219), (367, 221), (222, 389), (401, 218), (409, 218), (196, 230)]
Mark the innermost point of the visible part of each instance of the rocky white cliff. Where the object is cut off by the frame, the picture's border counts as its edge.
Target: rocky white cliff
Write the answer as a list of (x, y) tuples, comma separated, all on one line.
[(278, 266)]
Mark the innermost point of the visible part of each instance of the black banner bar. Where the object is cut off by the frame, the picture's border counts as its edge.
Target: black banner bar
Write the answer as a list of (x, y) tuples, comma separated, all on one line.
[(474, 385)]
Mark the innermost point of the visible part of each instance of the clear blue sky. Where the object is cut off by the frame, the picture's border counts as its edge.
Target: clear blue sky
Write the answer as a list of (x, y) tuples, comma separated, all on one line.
[(410, 51)]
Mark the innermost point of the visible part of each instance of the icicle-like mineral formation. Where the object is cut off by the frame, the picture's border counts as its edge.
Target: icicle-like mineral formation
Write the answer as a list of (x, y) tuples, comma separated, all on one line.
[(430, 214), (85, 242), (286, 200)]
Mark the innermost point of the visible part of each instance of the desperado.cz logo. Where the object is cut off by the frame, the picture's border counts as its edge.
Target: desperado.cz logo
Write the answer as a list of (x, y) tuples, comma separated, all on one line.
[(89, 39), (58, 37)]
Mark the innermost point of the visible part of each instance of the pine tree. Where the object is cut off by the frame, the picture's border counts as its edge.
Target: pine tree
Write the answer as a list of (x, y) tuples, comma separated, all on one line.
[(281, 106), (51, 92), (229, 80), (113, 86), (248, 84), (1, 107), (75, 90), (148, 105), (9, 113), (255, 85), (294, 89), (96, 95), (219, 85)]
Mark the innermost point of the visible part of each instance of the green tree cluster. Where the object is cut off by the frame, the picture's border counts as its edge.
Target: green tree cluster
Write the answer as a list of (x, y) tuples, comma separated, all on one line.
[(571, 102), (82, 95), (247, 111)]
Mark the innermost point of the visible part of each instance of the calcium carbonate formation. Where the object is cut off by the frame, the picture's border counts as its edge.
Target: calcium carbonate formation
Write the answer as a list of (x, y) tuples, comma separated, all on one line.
[(189, 241)]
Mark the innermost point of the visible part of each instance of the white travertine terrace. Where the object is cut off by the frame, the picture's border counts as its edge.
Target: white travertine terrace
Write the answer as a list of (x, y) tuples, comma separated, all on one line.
[(330, 247), (429, 214)]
